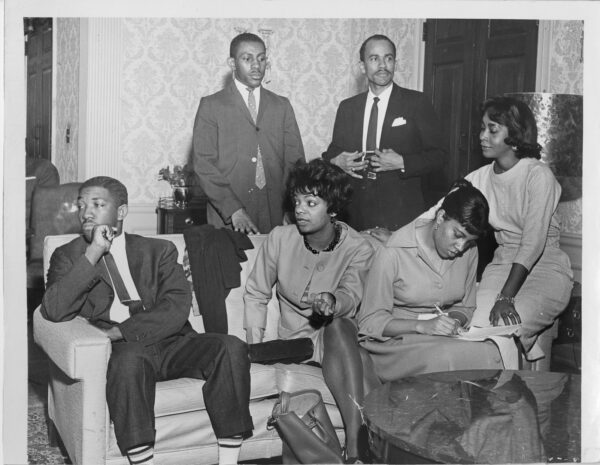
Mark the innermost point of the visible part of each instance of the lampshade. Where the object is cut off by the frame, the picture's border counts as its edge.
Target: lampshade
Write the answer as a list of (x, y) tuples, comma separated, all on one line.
[(559, 119)]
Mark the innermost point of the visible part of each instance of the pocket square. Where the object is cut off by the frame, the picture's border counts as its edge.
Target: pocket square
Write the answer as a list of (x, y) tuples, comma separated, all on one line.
[(398, 122)]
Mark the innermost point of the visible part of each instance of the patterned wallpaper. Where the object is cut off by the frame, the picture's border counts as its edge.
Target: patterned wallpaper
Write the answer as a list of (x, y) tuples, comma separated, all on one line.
[(566, 77), (170, 63), (67, 98)]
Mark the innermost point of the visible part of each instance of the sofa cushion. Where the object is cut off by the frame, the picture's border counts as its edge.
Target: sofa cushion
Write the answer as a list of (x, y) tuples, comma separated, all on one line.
[(185, 394), (295, 377)]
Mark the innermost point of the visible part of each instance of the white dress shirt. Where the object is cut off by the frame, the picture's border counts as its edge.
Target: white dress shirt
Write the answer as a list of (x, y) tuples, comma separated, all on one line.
[(118, 311), (382, 105), (243, 88)]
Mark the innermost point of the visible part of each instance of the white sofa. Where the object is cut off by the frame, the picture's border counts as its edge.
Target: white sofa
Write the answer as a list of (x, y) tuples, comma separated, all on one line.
[(79, 355)]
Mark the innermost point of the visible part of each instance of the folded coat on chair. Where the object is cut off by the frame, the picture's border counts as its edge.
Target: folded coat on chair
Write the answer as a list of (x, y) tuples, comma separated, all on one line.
[(215, 256)]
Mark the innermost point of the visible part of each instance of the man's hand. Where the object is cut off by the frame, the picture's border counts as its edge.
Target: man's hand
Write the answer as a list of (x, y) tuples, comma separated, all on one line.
[(386, 160), (439, 326), (102, 237), (113, 333), (241, 222), (348, 162)]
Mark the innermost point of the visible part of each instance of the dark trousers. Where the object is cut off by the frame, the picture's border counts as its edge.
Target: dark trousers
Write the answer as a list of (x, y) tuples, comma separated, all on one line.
[(134, 369)]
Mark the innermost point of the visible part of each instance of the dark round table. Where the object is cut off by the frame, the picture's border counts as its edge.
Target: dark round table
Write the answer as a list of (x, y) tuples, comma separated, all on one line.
[(477, 416)]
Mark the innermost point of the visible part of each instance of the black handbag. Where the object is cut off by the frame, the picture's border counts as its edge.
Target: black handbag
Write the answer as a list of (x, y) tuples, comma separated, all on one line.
[(306, 431), (281, 351)]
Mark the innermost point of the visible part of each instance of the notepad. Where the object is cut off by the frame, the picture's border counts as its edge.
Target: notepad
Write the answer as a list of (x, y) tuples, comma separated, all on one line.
[(475, 333)]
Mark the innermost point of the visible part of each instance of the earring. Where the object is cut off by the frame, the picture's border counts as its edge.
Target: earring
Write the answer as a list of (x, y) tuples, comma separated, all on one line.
[(514, 148)]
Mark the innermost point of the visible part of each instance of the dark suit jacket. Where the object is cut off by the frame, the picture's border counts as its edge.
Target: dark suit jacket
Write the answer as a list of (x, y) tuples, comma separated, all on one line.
[(394, 198), (76, 287), (225, 141)]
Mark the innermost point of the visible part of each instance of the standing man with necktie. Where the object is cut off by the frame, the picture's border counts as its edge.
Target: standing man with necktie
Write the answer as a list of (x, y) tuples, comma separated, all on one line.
[(398, 130), (246, 140), (134, 290)]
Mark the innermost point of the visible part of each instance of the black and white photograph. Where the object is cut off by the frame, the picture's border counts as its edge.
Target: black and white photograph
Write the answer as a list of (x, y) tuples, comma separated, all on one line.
[(276, 232)]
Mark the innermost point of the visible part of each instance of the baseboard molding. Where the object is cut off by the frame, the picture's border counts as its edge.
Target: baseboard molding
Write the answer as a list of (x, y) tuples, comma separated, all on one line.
[(141, 219), (571, 244)]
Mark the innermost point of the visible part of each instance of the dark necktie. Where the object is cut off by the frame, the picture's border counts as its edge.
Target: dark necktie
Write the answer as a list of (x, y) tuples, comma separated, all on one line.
[(259, 177), (372, 128), (120, 288)]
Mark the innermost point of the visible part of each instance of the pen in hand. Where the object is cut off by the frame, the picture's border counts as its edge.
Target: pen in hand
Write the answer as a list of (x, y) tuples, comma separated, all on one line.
[(438, 310)]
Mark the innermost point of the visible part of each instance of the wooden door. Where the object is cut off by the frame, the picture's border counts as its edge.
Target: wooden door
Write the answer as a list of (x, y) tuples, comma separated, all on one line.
[(467, 61), (38, 50)]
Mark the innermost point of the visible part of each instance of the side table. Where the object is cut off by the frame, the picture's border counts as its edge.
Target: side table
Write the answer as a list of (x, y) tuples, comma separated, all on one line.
[(476, 416), (174, 219)]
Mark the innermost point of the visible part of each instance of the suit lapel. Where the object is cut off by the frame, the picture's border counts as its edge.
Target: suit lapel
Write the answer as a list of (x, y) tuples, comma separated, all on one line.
[(357, 129), (394, 109), (239, 102), (264, 102)]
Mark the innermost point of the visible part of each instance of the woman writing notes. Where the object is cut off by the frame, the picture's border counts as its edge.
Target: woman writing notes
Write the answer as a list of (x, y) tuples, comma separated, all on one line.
[(426, 268), (318, 266), (529, 280)]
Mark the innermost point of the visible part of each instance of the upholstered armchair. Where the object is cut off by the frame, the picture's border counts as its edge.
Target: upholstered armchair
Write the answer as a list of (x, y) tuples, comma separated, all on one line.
[(53, 211), (79, 355)]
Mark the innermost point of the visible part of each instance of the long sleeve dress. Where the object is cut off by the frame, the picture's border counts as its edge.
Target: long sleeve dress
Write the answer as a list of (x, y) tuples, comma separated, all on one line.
[(523, 202), (404, 283), (299, 275)]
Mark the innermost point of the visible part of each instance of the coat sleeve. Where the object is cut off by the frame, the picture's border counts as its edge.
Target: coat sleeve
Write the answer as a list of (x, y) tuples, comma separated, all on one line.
[(260, 282), (540, 199), (340, 128), (378, 301), (349, 292), (466, 307), (172, 303), (292, 141), (68, 285), (433, 148), (205, 142)]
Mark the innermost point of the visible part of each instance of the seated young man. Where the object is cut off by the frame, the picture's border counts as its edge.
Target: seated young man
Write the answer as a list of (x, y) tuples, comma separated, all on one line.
[(133, 289)]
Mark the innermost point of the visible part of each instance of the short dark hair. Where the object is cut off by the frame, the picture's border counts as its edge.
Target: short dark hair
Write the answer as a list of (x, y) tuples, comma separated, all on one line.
[(321, 178), (468, 206), (116, 188), (361, 52), (244, 37), (518, 118)]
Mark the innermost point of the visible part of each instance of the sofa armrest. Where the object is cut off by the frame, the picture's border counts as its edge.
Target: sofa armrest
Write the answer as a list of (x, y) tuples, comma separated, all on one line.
[(74, 346)]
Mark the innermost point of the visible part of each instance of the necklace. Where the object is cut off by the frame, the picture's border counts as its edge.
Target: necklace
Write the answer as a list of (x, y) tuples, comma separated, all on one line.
[(332, 244)]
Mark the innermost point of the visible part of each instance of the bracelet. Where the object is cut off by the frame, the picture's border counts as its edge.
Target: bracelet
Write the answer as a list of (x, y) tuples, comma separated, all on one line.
[(501, 297)]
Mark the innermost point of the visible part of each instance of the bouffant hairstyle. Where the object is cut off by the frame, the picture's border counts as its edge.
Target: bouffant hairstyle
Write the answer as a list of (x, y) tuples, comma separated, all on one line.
[(320, 178), (244, 37), (468, 206), (518, 118), (116, 188)]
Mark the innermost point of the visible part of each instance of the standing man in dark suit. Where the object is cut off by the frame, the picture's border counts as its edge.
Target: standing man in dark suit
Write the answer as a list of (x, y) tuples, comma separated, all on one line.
[(152, 339), (398, 130), (246, 140)]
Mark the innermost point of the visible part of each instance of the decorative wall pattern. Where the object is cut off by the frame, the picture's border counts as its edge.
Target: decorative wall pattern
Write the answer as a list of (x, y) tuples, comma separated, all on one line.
[(67, 98), (169, 64), (566, 64), (566, 77)]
